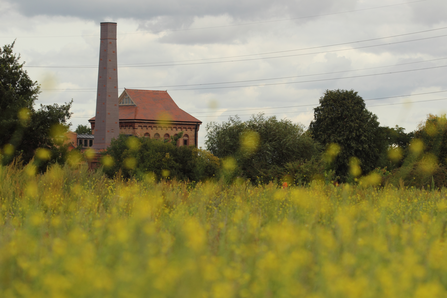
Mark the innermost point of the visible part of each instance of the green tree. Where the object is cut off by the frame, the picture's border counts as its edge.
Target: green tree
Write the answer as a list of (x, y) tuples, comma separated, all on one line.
[(134, 156), (433, 133), (83, 129), (25, 129), (342, 119), (261, 147), (397, 142), (425, 161)]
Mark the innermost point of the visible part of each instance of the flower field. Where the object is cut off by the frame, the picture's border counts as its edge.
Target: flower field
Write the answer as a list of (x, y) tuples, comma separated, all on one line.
[(74, 233)]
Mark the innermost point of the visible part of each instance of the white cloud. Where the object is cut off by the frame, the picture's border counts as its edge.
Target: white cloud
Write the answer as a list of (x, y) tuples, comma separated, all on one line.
[(60, 33)]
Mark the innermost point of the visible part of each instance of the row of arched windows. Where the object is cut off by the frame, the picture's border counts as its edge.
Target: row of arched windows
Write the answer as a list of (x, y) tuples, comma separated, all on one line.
[(185, 138)]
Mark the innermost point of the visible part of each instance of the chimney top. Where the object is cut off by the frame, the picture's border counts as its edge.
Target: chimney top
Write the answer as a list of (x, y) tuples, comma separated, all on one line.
[(108, 30)]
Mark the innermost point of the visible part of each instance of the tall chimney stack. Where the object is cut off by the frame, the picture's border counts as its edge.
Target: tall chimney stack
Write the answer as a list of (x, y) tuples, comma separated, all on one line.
[(107, 113)]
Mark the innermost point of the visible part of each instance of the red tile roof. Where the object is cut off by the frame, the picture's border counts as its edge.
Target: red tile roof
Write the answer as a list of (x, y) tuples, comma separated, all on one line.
[(150, 105)]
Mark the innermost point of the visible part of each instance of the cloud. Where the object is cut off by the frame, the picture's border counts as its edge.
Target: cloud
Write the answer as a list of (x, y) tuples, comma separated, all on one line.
[(176, 13), (430, 12), (59, 33)]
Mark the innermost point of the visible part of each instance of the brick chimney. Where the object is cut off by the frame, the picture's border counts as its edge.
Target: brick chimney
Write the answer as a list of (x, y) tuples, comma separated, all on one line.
[(107, 114)]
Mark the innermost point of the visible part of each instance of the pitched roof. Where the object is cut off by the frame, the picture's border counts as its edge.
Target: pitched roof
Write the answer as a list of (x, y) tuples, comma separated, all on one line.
[(151, 105)]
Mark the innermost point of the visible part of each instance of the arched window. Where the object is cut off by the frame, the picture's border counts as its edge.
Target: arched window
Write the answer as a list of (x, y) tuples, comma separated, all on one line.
[(166, 136), (156, 136), (147, 135), (185, 140)]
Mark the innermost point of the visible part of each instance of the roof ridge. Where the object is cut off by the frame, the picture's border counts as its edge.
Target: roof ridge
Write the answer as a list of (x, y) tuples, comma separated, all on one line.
[(143, 90), (149, 103)]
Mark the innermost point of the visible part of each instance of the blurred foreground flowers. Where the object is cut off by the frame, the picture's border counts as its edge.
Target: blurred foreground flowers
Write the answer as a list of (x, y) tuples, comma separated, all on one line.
[(74, 233)]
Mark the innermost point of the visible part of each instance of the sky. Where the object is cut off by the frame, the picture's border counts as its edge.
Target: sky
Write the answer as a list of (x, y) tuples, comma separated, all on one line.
[(224, 58)]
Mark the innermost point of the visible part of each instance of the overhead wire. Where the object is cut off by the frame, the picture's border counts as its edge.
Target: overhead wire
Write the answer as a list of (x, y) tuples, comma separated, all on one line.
[(209, 60), (232, 111), (309, 105), (299, 49), (254, 80), (310, 81), (382, 105)]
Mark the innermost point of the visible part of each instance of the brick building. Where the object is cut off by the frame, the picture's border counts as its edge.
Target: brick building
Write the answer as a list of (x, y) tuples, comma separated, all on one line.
[(155, 115)]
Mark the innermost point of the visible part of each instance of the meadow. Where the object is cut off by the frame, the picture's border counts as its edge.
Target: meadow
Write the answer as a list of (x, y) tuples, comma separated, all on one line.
[(74, 233)]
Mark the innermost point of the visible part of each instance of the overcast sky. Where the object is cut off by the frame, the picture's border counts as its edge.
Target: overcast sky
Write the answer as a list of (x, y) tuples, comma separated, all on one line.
[(222, 58)]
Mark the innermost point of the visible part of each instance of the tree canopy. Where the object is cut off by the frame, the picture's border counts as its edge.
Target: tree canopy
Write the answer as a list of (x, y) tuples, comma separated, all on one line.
[(433, 134), (342, 119), (83, 129), (132, 156), (24, 129), (261, 147)]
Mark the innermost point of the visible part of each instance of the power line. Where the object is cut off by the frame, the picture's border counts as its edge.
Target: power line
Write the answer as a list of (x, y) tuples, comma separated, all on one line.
[(299, 49), (208, 60), (390, 104), (283, 56), (292, 82), (311, 105), (289, 77), (408, 103), (311, 81), (258, 80)]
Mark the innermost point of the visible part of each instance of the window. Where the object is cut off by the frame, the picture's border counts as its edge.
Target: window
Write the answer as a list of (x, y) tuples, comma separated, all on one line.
[(147, 135), (166, 136), (185, 140), (90, 143), (85, 143), (156, 136), (126, 101)]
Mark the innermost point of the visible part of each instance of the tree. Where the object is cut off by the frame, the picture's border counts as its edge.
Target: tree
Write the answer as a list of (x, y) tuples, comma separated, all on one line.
[(261, 147), (83, 129), (433, 133), (17, 93), (396, 142), (342, 119), (25, 129), (425, 161), (134, 156)]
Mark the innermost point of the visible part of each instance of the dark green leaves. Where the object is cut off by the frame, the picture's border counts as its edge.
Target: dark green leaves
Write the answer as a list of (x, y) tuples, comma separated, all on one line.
[(343, 119)]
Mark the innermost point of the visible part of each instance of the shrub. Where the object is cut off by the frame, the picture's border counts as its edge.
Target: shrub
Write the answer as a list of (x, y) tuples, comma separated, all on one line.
[(132, 156)]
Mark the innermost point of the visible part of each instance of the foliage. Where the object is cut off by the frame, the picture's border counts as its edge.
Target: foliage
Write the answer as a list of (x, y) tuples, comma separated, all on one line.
[(306, 172), (175, 138), (342, 119), (397, 143), (75, 233), (425, 165), (433, 133), (25, 129), (396, 136), (83, 129), (261, 146), (17, 90), (134, 156), (415, 175)]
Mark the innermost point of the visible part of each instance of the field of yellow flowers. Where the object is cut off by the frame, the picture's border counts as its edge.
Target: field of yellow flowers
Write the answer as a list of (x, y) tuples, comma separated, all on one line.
[(74, 233)]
